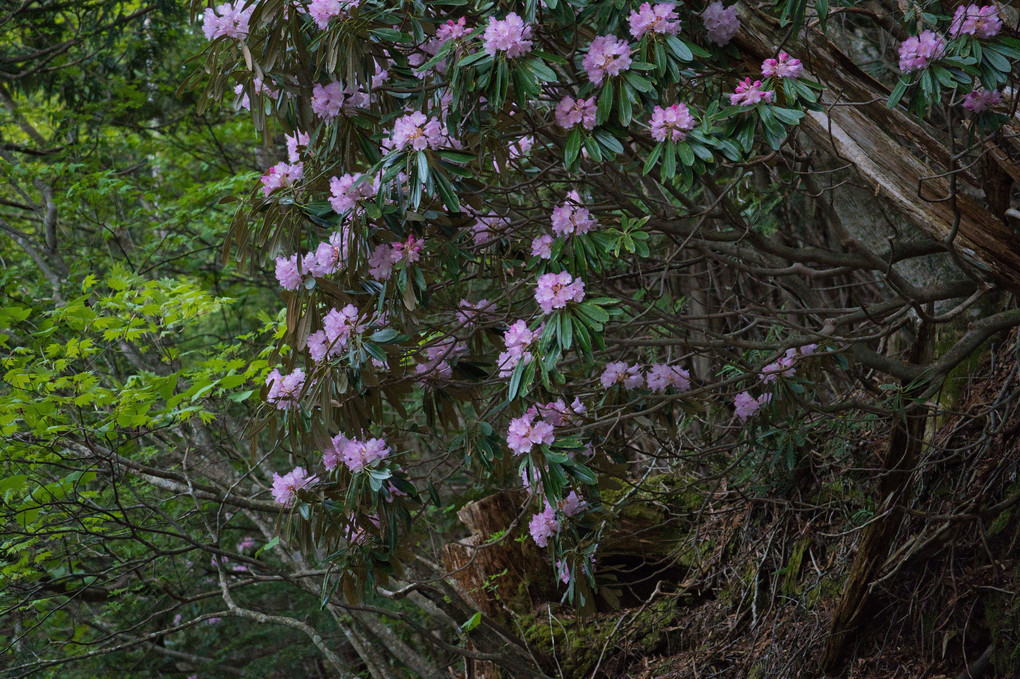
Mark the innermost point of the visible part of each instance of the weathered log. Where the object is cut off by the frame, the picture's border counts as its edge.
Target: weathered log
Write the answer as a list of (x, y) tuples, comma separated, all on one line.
[(884, 144), (496, 571)]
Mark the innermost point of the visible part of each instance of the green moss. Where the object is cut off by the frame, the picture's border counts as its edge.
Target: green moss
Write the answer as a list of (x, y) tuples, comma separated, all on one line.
[(571, 646)]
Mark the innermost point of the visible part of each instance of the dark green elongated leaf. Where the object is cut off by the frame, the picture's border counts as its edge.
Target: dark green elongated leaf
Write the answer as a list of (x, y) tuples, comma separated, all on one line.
[(624, 102), (593, 149), (605, 106), (638, 82), (608, 141), (573, 146), (685, 152), (653, 158)]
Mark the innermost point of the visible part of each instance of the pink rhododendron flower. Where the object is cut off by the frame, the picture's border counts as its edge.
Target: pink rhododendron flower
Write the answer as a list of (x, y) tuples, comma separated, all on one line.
[(416, 131), (438, 356), (508, 362), (350, 189), (281, 176), (746, 405), (671, 124), (661, 376), (784, 66), (660, 19), (782, 368), (983, 22), (332, 454), (291, 272), (542, 246), (981, 100), (327, 100), (337, 328), (544, 525), (511, 35), (619, 372), (227, 20), (749, 94), (246, 543), (453, 30), (569, 219), (572, 504), (555, 290), (357, 455), (296, 143), (469, 314), (331, 255), (607, 56), (570, 112), (284, 390), (917, 52), (721, 23), (381, 262), (526, 432), (322, 11), (563, 571), (557, 413), (488, 228), (286, 487), (518, 338)]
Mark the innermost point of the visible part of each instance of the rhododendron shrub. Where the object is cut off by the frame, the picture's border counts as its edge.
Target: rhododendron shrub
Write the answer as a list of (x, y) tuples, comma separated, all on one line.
[(592, 177)]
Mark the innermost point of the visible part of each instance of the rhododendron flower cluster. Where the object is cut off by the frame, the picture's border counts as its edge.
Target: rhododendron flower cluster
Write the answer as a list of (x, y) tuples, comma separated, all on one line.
[(785, 366), (784, 66), (281, 176), (570, 112), (386, 256), (417, 132), (452, 30), (982, 22), (286, 487), (487, 228), (916, 52), (347, 191), (544, 525), (438, 356), (296, 143), (572, 504), (338, 326), (291, 271), (527, 431), (511, 35), (541, 246), (329, 100), (607, 56), (322, 11), (671, 123), (227, 20), (661, 376), (284, 390), (331, 255), (747, 405), (980, 100), (721, 23), (469, 314), (555, 290), (660, 18), (557, 413), (518, 339), (618, 372), (571, 219), (354, 453), (748, 94)]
